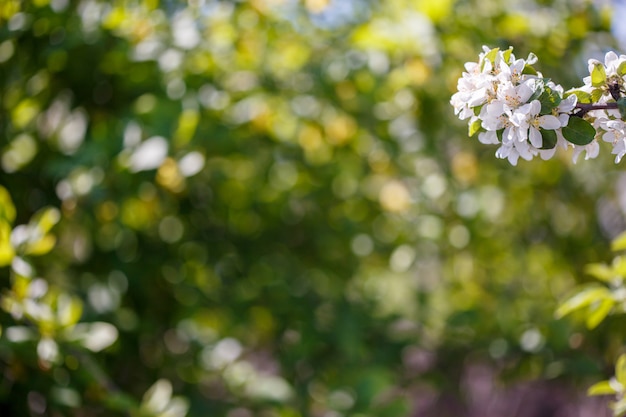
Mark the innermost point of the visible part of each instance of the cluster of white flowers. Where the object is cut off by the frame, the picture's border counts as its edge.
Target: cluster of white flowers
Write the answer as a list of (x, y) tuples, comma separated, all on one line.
[(603, 86), (508, 103)]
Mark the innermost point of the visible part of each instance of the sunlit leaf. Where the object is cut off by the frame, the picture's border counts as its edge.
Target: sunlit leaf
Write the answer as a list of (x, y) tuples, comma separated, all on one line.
[(45, 219), (7, 209), (596, 94), (6, 249), (620, 370), (582, 299), (619, 266), (598, 312), (601, 388), (582, 96), (40, 246), (600, 271), (598, 74)]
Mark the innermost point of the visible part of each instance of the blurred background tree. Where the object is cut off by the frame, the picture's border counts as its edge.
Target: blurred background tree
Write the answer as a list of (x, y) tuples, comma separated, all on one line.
[(267, 207)]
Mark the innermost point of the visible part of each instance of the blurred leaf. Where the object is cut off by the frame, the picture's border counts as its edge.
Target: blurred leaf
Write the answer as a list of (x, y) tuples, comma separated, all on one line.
[(121, 402), (619, 243), (6, 249), (600, 271), (584, 298), (601, 388), (620, 370), (7, 209), (45, 219), (619, 266), (598, 311), (40, 246)]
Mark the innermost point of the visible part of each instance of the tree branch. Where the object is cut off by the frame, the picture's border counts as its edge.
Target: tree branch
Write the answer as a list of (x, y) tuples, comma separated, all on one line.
[(584, 108)]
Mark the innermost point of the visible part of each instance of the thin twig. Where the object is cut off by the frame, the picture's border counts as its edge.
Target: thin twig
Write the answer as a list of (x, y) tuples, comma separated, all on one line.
[(584, 108)]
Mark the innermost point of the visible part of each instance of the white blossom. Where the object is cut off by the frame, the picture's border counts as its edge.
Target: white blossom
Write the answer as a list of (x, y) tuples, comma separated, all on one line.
[(508, 103)]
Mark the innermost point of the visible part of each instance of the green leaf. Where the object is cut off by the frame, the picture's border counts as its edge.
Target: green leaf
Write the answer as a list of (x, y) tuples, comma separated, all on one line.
[(596, 94), (507, 54), (578, 131), (621, 69), (587, 296), (601, 388), (598, 74), (491, 55), (529, 70), (120, 401), (619, 243), (7, 209), (40, 246), (474, 127), (598, 312), (549, 99), (549, 138), (46, 218), (582, 96), (600, 271), (621, 105), (620, 369), (6, 249)]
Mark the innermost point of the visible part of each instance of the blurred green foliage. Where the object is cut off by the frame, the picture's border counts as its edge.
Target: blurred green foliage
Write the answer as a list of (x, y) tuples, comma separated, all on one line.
[(267, 208)]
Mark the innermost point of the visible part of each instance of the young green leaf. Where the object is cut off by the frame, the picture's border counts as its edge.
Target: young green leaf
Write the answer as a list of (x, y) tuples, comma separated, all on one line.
[(491, 55), (507, 54), (621, 69), (589, 295), (549, 99), (598, 312), (618, 266), (7, 209), (598, 74), (7, 253), (528, 69), (620, 369), (600, 271), (596, 94), (582, 96), (474, 127), (601, 388), (578, 131)]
